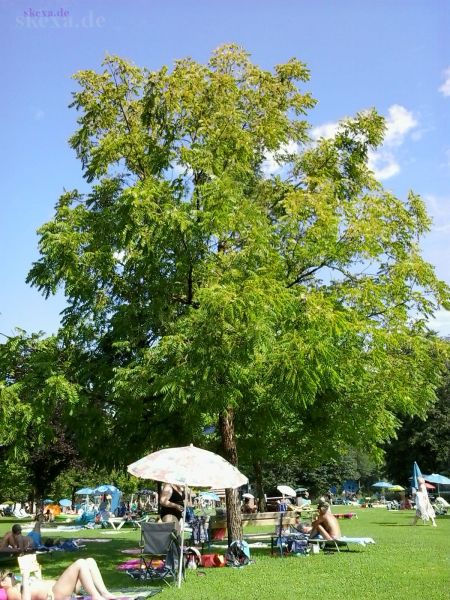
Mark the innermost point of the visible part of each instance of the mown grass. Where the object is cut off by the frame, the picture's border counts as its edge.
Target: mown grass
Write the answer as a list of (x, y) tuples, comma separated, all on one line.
[(405, 561)]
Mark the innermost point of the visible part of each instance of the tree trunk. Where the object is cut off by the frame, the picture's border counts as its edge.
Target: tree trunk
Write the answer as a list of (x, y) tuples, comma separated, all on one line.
[(234, 521), (257, 469)]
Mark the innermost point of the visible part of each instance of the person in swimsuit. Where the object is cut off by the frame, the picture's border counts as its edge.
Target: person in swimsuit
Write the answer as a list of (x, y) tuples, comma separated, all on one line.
[(171, 503), (14, 540), (326, 525), (84, 572)]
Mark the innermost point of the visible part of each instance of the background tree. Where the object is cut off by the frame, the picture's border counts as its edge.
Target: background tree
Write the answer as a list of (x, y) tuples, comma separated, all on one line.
[(426, 440), (210, 291), (37, 411)]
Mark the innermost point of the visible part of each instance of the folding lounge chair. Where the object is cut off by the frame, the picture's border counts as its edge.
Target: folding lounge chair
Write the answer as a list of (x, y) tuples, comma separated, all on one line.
[(29, 564), (343, 541), (160, 552)]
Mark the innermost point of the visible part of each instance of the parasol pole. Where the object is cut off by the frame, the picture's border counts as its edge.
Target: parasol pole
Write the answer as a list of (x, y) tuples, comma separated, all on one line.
[(180, 562)]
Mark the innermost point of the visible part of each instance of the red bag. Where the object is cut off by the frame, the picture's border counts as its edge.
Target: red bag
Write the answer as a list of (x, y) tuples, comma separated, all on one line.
[(218, 534), (213, 560)]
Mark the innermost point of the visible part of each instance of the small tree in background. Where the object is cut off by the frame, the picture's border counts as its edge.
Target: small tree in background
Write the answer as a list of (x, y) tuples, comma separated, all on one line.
[(38, 406)]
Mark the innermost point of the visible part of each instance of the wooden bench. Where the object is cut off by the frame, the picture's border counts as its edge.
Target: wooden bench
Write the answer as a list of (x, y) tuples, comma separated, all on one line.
[(218, 524), (257, 519)]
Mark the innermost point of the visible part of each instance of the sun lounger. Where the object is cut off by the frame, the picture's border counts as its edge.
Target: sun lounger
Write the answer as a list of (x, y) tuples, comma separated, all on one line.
[(343, 541)]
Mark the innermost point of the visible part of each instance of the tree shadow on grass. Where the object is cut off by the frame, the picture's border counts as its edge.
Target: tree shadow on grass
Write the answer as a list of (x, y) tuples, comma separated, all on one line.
[(389, 524)]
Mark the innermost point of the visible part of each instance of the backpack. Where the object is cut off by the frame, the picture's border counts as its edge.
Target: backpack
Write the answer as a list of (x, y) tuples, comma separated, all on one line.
[(238, 554)]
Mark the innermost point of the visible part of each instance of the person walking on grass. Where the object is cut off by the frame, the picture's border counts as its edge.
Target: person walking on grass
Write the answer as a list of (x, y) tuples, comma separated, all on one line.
[(424, 510)]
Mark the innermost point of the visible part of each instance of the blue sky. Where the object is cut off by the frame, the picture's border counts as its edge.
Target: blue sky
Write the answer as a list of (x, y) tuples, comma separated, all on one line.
[(389, 54)]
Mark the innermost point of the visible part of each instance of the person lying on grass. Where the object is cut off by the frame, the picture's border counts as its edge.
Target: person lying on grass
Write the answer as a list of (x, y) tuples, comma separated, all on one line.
[(325, 526), (83, 573)]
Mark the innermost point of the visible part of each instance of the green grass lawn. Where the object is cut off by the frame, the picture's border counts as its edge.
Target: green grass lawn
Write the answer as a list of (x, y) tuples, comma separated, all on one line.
[(405, 561)]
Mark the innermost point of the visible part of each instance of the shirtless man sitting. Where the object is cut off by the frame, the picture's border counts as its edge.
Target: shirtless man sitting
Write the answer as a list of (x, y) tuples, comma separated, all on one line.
[(326, 525), (14, 540)]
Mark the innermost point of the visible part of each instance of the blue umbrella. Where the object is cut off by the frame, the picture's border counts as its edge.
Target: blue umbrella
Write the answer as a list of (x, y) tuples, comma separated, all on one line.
[(350, 485), (85, 491), (105, 489), (439, 479), (48, 501), (416, 474), (209, 496), (382, 484), (110, 489), (65, 502)]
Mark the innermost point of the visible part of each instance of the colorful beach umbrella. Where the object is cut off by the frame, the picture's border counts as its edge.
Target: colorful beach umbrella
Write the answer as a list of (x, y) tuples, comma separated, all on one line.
[(188, 466)]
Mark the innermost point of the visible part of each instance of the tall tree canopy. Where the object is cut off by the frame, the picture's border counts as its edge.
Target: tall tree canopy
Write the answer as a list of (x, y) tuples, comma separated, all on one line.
[(207, 287)]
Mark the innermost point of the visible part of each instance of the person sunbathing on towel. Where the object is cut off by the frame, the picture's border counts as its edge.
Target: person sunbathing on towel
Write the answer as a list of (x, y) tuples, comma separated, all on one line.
[(326, 525), (84, 572)]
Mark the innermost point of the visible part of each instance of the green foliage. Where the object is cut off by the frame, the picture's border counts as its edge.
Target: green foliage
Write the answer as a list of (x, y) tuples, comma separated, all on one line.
[(37, 405), (425, 439), (197, 283)]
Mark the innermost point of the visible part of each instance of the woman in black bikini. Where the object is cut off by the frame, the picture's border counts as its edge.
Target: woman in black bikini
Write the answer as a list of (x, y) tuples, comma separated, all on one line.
[(171, 502)]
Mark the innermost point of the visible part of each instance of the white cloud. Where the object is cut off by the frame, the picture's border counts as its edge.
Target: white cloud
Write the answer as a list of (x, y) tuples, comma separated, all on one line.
[(441, 322), (399, 122), (439, 209), (272, 160), (383, 164), (327, 130), (270, 164), (445, 87)]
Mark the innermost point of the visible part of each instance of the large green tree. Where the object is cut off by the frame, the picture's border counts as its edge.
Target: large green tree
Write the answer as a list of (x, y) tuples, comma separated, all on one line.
[(217, 290)]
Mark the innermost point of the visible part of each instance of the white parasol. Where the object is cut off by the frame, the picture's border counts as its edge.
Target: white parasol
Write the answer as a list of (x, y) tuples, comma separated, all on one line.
[(286, 490), (188, 466)]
